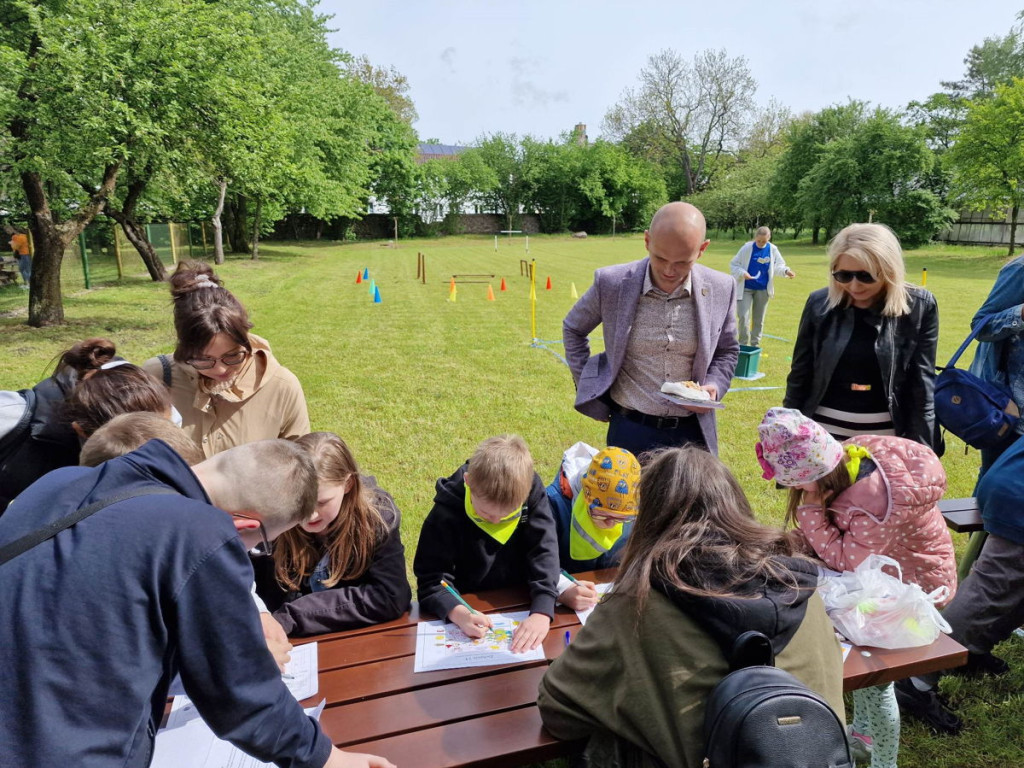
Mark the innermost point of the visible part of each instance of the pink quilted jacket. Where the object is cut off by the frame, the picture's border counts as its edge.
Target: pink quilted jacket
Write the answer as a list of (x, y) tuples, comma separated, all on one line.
[(893, 511)]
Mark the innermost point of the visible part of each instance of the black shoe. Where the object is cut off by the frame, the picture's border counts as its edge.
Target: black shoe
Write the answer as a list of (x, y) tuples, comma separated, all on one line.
[(979, 664), (928, 707)]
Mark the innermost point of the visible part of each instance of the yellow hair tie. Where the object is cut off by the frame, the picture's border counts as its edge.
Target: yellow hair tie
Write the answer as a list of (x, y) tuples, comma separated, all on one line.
[(854, 453)]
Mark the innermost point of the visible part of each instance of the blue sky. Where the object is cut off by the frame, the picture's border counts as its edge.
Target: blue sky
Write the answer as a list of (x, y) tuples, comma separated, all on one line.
[(525, 66)]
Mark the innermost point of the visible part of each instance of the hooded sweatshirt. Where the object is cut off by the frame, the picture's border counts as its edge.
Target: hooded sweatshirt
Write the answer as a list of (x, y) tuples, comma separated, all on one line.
[(453, 548), (637, 687), (265, 401), (96, 621)]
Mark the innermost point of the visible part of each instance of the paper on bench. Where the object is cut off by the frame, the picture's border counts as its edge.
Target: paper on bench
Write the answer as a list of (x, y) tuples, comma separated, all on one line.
[(601, 589), (188, 742), (442, 645)]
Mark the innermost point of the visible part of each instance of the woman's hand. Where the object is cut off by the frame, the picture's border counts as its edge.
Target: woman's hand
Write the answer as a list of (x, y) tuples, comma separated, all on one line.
[(530, 633)]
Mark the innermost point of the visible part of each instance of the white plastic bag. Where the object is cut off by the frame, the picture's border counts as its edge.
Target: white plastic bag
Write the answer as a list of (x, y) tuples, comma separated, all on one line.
[(575, 462), (871, 607)]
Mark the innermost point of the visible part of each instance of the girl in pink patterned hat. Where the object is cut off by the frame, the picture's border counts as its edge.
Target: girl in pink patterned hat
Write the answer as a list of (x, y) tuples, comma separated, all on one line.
[(868, 495)]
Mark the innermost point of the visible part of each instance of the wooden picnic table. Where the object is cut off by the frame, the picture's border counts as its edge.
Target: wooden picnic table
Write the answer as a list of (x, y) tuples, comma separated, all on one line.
[(488, 716)]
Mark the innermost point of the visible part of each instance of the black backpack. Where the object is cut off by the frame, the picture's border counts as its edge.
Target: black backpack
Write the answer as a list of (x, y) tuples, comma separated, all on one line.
[(760, 716)]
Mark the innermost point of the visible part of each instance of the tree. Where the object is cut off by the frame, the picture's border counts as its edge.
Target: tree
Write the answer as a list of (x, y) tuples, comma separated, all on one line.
[(685, 113), (875, 172), (988, 158), (84, 85), (503, 154), (388, 83)]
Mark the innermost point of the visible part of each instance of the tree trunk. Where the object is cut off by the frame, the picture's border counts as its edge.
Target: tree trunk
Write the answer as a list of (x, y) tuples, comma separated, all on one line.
[(135, 232), (234, 224), (1013, 227), (218, 229), (256, 231), (50, 238), (814, 235)]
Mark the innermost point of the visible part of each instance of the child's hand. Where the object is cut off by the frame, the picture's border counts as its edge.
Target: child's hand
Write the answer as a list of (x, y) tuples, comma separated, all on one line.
[(530, 633), (472, 624), (579, 596)]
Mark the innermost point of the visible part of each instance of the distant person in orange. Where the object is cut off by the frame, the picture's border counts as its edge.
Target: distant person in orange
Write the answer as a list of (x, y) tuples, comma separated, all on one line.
[(22, 251)]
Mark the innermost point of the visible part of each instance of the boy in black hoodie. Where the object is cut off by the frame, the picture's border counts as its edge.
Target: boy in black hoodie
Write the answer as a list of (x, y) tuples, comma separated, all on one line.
[(490, 527)]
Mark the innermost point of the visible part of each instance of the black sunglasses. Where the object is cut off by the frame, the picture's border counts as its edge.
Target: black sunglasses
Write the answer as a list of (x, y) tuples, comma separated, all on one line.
[(845, 276)]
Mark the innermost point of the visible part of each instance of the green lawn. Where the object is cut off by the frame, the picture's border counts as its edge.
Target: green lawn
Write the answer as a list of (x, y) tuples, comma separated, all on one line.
[(413, 383)]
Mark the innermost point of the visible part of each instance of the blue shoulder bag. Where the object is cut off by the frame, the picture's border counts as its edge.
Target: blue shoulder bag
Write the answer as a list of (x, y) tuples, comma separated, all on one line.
[(979, 412)]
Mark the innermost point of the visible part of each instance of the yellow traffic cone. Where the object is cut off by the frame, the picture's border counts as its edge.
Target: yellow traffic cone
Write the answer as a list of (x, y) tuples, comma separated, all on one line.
[(572, 293), (453, 292)]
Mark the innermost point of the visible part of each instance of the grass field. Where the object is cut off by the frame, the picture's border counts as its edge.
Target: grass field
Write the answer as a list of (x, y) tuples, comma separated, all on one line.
[(413, 383)]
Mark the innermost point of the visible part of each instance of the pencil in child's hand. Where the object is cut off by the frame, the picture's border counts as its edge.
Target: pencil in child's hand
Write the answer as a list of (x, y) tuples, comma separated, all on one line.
[(457, 596), (570, 577)]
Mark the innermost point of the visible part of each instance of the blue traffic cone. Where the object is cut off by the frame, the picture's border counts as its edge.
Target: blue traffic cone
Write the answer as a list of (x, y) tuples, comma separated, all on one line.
[(376, 295), (366, 273)]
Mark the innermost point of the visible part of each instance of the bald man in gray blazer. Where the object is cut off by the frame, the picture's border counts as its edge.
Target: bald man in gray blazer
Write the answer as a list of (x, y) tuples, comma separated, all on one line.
[(664, 318)]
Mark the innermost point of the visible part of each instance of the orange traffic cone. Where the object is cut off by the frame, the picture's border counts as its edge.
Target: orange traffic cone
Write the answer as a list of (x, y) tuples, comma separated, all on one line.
[(451, 285), (359, 277), (503, 284), (548, 287), (490, 293)]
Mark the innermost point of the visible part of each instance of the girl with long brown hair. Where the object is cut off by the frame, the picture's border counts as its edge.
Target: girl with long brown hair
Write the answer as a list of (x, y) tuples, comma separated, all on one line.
[(698, 571), (345, 567)]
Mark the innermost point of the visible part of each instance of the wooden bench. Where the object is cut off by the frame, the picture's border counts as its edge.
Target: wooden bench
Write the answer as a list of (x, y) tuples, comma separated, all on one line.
[(8, 271), (488, 716), (961, 515)]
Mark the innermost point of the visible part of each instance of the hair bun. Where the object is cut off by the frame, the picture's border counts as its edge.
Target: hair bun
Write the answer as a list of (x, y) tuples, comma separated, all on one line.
[(89, 354), (192, 276)]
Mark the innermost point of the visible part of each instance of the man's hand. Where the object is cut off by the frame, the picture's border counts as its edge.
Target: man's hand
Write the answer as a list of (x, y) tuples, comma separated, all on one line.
[(747, 275), (339, 759), (471, 623), (580, 596), (712, 390), (277, 640), (790, 273), (530, 633)]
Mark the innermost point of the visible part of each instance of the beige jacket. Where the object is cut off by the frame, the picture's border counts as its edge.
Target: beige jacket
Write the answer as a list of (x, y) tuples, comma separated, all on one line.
[(649, 685), (266, 401)]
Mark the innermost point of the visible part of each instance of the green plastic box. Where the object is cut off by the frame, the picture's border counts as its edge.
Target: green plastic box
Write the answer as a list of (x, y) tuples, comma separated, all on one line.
[(746, 365)]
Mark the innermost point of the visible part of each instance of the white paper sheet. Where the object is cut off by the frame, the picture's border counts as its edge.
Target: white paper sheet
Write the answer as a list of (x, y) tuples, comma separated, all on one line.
[(442, 645), (601, 589), (300, 674), (188, 742)]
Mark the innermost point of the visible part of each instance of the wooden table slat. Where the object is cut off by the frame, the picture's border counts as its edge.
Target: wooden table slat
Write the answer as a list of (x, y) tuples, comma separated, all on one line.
[(886, 666), (503, 740), (430, 707)]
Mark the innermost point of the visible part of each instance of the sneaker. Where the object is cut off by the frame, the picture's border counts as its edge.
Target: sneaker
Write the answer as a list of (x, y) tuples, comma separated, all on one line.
[(860, 745), (928, 707), (979, 664)]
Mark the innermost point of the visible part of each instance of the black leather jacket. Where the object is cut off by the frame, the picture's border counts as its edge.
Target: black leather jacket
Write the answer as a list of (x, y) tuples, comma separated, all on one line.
[(905, 348)]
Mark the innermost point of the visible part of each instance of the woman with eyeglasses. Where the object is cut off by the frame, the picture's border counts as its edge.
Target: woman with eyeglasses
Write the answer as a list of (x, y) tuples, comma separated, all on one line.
[(224, 380), (864, 359)]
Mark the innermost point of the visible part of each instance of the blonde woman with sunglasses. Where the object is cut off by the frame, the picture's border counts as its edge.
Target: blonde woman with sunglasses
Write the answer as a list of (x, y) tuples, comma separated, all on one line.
[(864, 358)]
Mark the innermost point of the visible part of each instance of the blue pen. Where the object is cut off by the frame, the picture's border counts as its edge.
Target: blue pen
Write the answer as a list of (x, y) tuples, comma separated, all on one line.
[(567, 637)]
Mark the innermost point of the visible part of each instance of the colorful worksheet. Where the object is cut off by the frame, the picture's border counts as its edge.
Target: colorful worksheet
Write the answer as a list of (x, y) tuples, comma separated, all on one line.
[(601, 589), (442, 645)]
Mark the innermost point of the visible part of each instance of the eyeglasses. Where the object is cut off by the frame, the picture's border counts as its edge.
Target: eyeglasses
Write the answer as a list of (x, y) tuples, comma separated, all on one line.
[(268, 545), (231, 358), (845, 276), (601, 517)]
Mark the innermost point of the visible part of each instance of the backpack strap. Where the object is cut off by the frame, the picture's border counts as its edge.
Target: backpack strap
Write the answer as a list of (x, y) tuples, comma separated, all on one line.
[(977, 329), (29, 540), (165, 363), (751, 649)]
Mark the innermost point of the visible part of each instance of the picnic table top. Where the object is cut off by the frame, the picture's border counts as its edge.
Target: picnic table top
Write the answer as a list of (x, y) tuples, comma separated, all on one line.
[(487, 716)]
